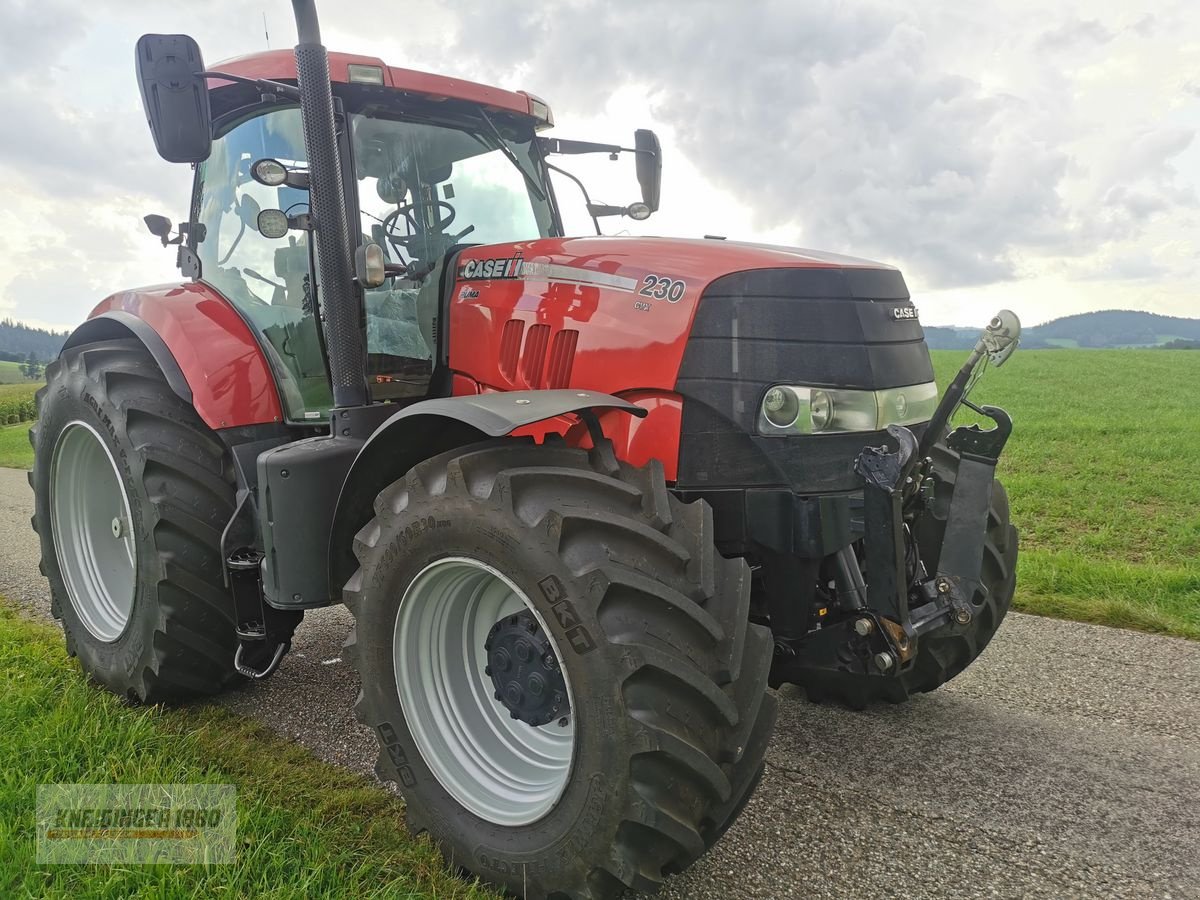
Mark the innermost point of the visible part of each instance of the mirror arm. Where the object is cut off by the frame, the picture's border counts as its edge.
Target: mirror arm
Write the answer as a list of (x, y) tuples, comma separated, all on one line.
[(583, 190), (286, 90)]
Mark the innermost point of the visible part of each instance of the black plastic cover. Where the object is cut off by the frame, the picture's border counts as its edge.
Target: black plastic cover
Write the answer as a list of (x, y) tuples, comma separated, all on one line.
[(174, 97), (299, 484), (830, 326)]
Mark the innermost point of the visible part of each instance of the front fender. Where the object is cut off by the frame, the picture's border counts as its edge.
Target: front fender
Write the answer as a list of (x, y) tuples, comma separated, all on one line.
[(434, 426)]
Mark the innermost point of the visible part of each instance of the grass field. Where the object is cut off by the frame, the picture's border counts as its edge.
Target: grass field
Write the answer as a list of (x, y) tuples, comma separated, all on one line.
[(16, 402), (15, 452), (1102, 474), (10, 373), (305, 829)]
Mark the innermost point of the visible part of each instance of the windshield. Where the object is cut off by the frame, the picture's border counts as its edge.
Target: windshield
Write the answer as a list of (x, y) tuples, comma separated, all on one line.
[(422, 189)]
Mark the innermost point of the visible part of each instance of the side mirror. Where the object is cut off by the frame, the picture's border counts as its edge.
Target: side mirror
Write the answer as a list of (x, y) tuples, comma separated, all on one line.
[(175, 96), (649, 166), (159, 226)]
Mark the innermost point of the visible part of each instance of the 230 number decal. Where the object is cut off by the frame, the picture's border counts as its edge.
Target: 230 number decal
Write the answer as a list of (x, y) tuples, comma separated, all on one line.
[(660, 287)]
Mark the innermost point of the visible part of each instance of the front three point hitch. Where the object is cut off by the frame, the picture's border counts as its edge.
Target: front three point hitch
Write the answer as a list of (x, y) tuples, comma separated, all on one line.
[(894, 484)]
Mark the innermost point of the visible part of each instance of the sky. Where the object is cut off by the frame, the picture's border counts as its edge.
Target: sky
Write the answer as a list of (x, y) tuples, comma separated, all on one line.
[(1040, 156)]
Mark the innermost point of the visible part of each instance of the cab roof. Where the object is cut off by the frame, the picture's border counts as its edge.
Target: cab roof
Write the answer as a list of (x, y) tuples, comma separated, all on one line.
[(280, 65)]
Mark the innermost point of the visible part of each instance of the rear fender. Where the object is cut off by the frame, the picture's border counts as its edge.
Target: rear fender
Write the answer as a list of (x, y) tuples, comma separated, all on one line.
[(203, 346), (430, 427)]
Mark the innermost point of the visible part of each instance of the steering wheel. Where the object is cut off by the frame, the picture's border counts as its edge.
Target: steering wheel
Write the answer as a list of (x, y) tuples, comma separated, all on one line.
[(416, 228), (247, 210)]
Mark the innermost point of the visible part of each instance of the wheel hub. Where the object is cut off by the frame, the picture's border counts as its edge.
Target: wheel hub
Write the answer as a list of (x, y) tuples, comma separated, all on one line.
[(524, 670)]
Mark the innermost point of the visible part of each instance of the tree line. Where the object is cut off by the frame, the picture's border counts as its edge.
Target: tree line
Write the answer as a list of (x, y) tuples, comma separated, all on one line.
[(22, 343)]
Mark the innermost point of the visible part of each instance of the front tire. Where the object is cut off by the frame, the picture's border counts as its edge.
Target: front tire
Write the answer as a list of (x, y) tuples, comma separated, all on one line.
[(664, 678), (132, 491)]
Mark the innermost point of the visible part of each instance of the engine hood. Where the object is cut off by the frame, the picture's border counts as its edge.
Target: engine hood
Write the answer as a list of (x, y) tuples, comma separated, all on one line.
[(615, 313)]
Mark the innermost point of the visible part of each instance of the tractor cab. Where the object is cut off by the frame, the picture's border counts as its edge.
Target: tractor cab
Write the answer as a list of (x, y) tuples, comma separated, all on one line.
[(424, 176)]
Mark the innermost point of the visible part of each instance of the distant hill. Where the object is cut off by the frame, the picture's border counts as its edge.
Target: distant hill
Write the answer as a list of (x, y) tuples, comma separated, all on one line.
[(1107, 328), (17, 341)]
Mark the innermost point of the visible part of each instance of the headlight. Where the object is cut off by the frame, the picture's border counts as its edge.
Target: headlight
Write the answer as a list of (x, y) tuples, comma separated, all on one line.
[(796, 409)]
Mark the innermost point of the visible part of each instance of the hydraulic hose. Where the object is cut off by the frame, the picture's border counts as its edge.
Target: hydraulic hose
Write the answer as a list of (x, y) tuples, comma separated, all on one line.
[(341, 300)]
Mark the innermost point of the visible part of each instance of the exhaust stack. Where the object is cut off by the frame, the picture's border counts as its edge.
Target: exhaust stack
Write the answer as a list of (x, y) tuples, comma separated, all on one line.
[(340, 296)]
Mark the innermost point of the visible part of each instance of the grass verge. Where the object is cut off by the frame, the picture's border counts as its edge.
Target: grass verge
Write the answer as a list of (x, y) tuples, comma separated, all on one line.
[(15, 451), (305, 828)]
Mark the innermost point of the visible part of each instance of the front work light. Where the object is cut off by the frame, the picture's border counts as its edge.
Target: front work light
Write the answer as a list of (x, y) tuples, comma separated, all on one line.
[(370, 265), (789, 409), (360, 74)]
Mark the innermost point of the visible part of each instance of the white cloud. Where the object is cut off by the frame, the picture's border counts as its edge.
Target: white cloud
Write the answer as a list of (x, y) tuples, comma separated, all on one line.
[(1039, 153)]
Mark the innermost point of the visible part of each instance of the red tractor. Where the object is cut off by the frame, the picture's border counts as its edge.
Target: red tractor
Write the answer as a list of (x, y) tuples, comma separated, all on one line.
[(586, 498)]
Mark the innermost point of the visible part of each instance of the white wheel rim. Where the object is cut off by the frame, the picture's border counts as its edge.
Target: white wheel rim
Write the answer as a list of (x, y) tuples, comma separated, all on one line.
[(93, 531), (501, 769)]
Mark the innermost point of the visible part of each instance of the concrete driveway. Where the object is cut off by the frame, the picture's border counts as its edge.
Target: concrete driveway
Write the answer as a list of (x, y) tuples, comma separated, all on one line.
[(1065, 763)]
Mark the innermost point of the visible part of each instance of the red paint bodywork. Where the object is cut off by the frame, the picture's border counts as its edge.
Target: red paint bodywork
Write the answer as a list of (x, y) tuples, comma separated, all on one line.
[(503, 331), (280, 65), (231, 381)]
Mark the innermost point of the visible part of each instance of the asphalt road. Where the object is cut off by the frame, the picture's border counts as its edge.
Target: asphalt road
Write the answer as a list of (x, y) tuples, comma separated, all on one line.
[(1065, 763)]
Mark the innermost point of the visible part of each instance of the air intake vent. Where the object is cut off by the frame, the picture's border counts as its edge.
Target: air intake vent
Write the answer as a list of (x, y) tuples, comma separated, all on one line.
[(562, 357), (533, 359), (510, 347)]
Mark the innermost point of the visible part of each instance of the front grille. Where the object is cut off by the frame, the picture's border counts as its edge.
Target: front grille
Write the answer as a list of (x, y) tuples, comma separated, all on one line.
[(828, 327)]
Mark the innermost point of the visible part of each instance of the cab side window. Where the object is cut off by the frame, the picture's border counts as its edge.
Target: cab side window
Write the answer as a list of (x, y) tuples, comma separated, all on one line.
[(268, 280)]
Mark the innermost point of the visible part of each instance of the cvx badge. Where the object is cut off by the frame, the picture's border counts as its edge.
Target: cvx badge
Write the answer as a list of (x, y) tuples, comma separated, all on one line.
[(904, 313)]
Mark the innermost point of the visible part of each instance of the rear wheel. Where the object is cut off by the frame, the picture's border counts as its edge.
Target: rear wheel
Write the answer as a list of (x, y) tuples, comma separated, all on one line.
[(558, 667), (132, 492)]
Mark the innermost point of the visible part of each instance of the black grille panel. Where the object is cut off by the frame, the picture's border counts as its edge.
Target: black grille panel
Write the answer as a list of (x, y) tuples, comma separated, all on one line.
[(821, 326)]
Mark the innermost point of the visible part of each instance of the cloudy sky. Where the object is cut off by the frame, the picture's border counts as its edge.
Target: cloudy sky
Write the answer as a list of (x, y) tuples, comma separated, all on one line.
[(1042, 156)]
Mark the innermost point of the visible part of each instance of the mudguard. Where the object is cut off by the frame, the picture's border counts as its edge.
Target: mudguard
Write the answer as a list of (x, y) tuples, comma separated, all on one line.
[(413, 434), (203, 346)]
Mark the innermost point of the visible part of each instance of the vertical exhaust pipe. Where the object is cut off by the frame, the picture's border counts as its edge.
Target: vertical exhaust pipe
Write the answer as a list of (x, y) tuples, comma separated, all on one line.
[(339, 294)]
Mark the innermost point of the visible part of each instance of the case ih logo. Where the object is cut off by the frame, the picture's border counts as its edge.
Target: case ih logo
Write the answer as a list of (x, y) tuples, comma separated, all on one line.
[(491, 268), (902, 313)]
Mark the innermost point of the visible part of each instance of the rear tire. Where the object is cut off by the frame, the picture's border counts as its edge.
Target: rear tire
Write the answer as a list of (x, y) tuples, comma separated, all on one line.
[(669, 714), (174, 636)]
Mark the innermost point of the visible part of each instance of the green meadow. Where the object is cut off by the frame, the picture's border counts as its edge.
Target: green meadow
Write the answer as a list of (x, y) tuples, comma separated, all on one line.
[(1101, 471)]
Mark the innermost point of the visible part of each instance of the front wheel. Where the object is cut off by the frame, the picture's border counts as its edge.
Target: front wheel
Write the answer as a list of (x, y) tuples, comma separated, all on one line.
[(558, 667)]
